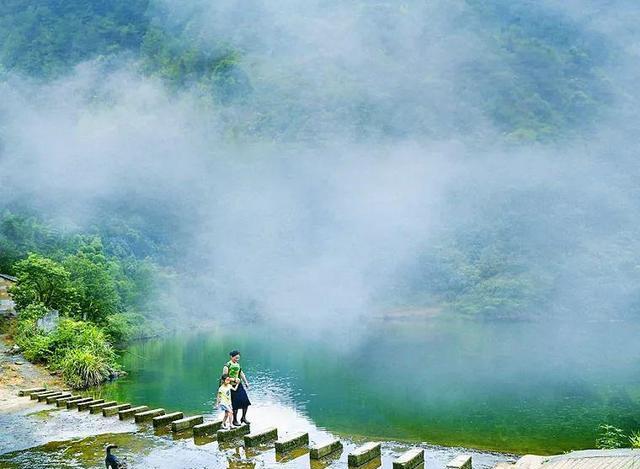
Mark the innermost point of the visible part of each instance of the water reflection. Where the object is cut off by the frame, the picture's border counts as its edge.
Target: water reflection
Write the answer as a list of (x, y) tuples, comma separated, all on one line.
[(512, 387)]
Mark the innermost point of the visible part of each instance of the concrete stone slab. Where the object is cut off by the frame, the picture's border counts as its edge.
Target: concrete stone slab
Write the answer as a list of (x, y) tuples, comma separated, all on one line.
[(73, 403), (147, 415), (364, 453), (186, 423), (114, 409), (166, 419), (29, 391), (82, 406), (321, 451), (52, 399), (207, 428), (131, 411), (62, 401), (410, 459), (460, 462), (35, 395), (43, 398), (233, 433), (97, 408), (290, 442), (261, 437), (624, 458)]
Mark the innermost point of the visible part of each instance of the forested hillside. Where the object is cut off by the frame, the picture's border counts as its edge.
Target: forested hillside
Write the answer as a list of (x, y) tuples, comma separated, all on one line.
[(513, 79)]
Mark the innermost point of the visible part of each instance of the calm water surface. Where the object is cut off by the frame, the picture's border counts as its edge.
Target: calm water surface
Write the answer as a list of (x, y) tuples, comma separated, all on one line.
[(521, 388), (516, 388)]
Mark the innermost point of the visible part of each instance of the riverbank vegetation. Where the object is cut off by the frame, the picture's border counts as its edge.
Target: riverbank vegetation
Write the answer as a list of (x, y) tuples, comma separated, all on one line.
[(611, 437), (101, 298)]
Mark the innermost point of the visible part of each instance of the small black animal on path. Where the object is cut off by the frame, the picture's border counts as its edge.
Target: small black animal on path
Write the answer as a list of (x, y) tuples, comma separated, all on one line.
[(111, 462)]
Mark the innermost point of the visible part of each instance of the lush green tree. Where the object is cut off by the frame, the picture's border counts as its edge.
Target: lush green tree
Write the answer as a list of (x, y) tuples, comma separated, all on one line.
[(92, 278), (44, 281), (45, 38)]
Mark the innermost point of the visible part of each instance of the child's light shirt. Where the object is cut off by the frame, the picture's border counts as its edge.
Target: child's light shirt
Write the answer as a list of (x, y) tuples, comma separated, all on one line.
[(224, 394)]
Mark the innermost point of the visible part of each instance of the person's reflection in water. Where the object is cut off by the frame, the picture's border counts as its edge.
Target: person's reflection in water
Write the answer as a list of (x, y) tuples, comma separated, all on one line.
[(237, 462)]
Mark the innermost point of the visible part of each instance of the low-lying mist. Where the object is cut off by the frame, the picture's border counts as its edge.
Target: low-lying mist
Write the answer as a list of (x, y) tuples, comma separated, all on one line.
[(358, 172)]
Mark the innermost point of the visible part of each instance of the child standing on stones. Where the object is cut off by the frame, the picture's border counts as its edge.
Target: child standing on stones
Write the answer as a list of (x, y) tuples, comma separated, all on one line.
[(223, 401)]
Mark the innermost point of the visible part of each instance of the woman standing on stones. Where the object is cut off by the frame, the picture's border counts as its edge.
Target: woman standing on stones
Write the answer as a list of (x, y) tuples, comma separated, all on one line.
[(239, 398)]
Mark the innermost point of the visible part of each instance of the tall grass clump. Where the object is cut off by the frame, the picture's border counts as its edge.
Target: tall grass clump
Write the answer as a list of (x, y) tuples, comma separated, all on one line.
[(82, 368), (79, 350)]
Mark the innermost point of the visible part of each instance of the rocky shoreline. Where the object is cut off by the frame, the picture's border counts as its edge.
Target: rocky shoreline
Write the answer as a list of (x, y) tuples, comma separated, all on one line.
[(18, 373)]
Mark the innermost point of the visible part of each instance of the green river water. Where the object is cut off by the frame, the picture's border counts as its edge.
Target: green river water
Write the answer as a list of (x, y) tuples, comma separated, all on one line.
[(513, 388)]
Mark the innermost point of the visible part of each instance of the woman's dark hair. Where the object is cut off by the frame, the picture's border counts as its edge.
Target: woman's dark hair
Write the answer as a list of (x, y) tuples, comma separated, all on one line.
[(222, 378), (234, 353)]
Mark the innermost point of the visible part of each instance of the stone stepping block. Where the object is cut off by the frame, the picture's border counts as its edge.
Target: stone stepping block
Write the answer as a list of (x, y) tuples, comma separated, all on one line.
[(233, 433), (62, 401), (131, 411), (410, 459), (114, 409), (43, 397), (186, 423), (321, 451), (147, 415), (73, 403), (207, 428), (34, 396), (29, 391), (85, 405), (364, 453), (53, 399), (97, 408), (292, 442), (166, 419), (460, 462), (261, 437)]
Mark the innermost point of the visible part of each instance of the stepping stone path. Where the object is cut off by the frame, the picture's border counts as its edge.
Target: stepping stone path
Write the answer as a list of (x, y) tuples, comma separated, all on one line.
[(368, 452)]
